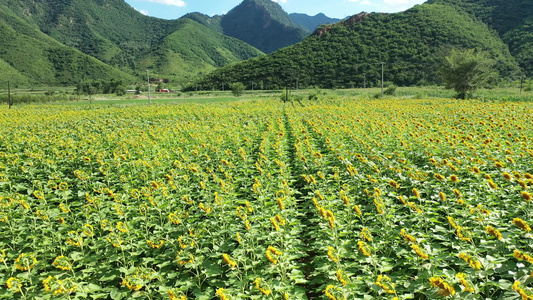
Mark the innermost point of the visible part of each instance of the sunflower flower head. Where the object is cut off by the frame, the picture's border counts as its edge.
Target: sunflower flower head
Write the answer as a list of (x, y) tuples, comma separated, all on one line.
[(222, 294), (14, 284), (25, 262), (63, 263), (229, 261), (526, 196), (386, 284), (494, 232), (364, 248), (261, 287), (444, 288), (522, 224)]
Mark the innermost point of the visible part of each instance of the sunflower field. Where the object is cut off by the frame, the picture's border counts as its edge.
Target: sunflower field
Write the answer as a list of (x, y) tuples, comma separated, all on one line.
[(335, 199)]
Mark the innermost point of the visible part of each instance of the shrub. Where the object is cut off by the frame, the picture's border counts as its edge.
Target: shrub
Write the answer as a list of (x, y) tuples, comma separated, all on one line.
[(391, 90), (237, 89)]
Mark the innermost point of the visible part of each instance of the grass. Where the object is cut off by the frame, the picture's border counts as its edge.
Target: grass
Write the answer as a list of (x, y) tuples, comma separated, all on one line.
[(57, 95)]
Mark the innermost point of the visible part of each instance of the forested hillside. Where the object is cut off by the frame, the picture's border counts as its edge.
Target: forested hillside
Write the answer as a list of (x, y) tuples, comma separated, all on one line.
[(28, 56), (195, 49), (109, 30), (412, 44), (67, 41), (512, 19), (110, 33)]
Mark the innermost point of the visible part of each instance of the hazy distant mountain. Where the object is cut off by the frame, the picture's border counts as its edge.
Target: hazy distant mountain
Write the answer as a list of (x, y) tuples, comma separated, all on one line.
[(312, 22)]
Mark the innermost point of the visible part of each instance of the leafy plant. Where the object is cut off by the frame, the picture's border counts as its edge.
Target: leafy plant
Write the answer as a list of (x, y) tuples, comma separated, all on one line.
[(465, 71), (335, 198), (237, 89)]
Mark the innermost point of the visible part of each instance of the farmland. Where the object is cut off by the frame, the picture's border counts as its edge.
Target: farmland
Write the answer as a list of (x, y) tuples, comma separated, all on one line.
[(335, 199)]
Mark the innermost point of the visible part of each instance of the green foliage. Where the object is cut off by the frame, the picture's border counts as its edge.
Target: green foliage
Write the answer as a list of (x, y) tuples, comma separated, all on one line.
[(194, 49), (285, 97), (211, 22), (31, 98), (101, 87), (465, 71), (512, 19), (10, 73), (237, 89), (34, 57), (412, 44), (342, 199), (390, 90), (314, 95)]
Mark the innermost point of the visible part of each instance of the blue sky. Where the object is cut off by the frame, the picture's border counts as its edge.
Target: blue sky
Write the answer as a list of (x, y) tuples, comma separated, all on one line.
[(173, 9)]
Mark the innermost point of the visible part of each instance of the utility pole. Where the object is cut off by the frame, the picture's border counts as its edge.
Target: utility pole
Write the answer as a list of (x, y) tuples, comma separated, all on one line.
[(382, 77), (521, 83), (252, 86), (149, 95), (364, 74), (287, 90), (9, 93)]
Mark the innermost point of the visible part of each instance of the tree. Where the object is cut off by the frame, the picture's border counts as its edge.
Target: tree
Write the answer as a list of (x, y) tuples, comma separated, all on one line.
[(237, 89), (467, 70)]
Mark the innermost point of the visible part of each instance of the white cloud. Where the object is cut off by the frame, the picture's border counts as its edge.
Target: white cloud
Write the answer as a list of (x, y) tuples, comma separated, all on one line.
[(362, 2), (179, 3), (389, 5), (142, 11), (401, 2), (280, 1)]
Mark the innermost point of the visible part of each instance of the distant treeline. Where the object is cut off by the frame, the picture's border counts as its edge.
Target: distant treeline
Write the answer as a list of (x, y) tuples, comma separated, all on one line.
[(37, 98)]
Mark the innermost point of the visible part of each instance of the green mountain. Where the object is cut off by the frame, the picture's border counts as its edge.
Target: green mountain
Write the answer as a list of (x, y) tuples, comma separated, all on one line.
[(262, 24), (110, 32), (28, 56), (312, 22), (512, 19), (411, 44), (211, 22), (194, 49)]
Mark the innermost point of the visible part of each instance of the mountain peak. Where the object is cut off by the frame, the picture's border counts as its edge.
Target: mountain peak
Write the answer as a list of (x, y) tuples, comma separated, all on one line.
[(263, 24)]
